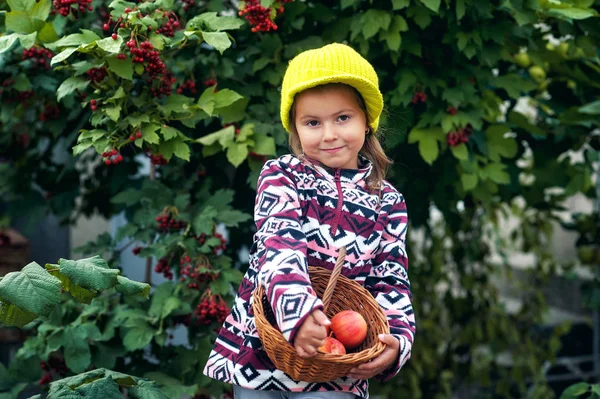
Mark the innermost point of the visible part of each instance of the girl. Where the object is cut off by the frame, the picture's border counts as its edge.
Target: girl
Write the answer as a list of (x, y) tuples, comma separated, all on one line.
[(330, 193)]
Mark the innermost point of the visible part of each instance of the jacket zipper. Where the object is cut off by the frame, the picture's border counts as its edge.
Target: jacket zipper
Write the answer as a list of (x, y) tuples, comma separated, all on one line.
[(340, 202)]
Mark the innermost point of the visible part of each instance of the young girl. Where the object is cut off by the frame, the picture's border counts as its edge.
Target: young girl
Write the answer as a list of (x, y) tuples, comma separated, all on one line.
[(329, 194)]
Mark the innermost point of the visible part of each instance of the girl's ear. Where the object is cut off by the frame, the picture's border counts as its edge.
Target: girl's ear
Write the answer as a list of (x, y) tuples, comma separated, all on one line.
[(367, 130)]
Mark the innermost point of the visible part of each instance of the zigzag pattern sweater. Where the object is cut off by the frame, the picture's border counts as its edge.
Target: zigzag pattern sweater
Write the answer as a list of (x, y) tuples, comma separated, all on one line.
[(304, 212)]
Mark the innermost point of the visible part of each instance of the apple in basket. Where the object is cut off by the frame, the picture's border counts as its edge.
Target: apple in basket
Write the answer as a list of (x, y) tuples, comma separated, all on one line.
[(349, 327), (333, 346)]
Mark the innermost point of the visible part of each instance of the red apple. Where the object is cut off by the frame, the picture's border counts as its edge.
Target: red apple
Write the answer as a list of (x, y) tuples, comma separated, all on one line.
[(333, 346), (349, 327)]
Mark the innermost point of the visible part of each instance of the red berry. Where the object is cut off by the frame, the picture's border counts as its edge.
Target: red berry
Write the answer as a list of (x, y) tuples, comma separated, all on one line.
[(114, 36), (106, 27)]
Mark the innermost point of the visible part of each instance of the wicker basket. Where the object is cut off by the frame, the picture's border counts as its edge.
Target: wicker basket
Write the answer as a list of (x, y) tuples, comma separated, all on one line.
[(338, 293)]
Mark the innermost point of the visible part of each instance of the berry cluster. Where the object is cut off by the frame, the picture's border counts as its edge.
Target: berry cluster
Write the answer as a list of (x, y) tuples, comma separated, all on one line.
[(158, 159), (63, 7), (167, 224), (97, 75), (136, 251), (54, 365), (165, 86), (188, 86), (137, 135), (451, 110), (211, 308), (162, 266), (418, 97), (112, 157), (187, 4), (199, 272), (147, 55), (210, 82), (50, 112), (258, 16), (219, 248), (459, 136), (19, 96), (93, 105), (170, 26), (40, 57)]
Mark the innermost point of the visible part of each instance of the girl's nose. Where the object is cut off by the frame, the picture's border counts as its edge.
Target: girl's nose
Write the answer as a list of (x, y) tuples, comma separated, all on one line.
[(329, 132)]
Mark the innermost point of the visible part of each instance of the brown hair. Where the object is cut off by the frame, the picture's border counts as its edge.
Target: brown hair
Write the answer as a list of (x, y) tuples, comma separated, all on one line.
[(372, 149)]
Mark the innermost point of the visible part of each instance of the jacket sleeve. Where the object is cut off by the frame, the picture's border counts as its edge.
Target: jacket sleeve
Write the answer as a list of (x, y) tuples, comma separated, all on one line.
[(388, 281), (281, 248)]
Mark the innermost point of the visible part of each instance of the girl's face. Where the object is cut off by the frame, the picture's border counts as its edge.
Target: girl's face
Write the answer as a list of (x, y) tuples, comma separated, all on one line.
[(331, 125)]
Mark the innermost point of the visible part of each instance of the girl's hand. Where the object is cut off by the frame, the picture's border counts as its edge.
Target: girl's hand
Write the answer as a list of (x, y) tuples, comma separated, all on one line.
[(311, 334), (388, 357)]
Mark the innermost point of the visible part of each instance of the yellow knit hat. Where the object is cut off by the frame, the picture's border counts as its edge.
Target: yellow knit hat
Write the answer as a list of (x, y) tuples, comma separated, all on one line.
[(333, 63)]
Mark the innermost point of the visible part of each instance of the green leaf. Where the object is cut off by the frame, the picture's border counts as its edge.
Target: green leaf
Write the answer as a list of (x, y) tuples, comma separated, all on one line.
[(225, 97), (27, 41), (63, 55), (460, 151), (114, 113), (69, 85), (429, 150), (219, 40), (146, 390), (211, 21), (10, 315), (469, 181), (373, 21), (77, 351), (460, 9), (127, 197), (76, 39), (7, 41), (400, 4), (591, 108), (22, 22), (496, 173), (181, 150), (105, 388), (32, 289), (575, 390), (223, 136), (47, 34), (433, 5), (79, 293), (121, 68), (237, 153), (138, 337), (519, 120), (572, 13), (169, 133), (110, 45), (264, 145), (20, 5), (515, 85), (90, 273), (204, 222), (130, 287), (233, 217), (41, 9), (498, 145)]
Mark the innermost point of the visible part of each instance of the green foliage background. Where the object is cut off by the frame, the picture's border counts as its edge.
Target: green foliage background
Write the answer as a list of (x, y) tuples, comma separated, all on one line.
[(474, 61)]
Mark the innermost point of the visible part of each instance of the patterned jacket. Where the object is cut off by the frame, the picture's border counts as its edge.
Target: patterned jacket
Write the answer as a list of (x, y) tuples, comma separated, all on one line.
[(304, 212)]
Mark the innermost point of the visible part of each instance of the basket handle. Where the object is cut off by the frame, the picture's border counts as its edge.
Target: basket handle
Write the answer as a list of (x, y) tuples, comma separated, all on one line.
[(333, 278)]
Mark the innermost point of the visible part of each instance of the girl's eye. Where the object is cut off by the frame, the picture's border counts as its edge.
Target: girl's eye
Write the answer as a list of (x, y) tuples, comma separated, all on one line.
[(312, 123), (343, 118)]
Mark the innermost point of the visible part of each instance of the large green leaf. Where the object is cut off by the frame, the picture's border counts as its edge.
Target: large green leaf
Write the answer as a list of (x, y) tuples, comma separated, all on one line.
[(77, 351), (121, 68), (591, 108), (110, 45), (211, 21), (146, 390), (7, 41), (22, 22), (105, 388), (90, 273), (433, 5), (10, 315), (70, 85), (219, 40), (138, 337), (32, 289), (130, 287), (79, 293)]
